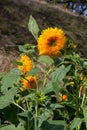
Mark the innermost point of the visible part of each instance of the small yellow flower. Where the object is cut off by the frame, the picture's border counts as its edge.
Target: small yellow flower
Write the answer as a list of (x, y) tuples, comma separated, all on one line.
[(26, 64), (74, 46), (28, 83), (51, 42), (71, 83), (63, 97)]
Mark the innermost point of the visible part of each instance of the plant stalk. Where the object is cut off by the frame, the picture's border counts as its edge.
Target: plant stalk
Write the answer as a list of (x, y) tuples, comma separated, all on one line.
[(18, 106)]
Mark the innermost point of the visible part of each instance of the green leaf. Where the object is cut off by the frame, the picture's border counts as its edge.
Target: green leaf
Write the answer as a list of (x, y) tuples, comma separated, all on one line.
[(44, 116), (58, 76), (33, 72), (8, 127), (26, 119), (7, 99), (85, 64), (21, 48), (26, 51), (10, 79), (12, 127), (21, 127), (18, 63), (55, 105), (85, 114), (9, 113), (48, 88), (46, 59), (56, 87), (60, 73), (53, 125), (29, 96), (33, 27), (55, 122), (76, 123)]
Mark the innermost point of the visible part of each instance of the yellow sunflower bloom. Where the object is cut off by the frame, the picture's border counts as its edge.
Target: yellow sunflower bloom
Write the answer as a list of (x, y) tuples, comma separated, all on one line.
[(28, 83), (26, 65), (51, 41)]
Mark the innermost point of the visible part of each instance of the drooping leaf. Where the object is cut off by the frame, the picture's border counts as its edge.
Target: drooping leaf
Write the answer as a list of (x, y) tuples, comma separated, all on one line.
[(45, 59), (33, 27), (75, 123), (10, 79), (7, 99)]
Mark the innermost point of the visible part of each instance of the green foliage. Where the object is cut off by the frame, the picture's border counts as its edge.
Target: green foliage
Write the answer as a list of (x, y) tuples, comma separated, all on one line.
[(33, 72), (8, 127), (48, 88), (60, 73), (58, 76), (76, 123), (10, 79), (50, 96), (8, 98), (85, 115), (45, 59), (33, 27), (25, 119), (27, 48), (12, 127), (53, 125)]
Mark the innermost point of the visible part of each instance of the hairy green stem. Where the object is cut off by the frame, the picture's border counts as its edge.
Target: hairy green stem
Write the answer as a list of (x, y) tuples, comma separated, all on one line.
[(36, 114), (36, 108), (46, 76), (18, 106), (83, 99)]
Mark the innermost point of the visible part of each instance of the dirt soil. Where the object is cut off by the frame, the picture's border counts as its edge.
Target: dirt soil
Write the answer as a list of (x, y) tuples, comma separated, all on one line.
[(14, 26)]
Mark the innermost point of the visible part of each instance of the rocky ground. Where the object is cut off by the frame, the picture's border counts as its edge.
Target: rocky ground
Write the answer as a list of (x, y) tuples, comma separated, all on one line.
[(14, 16)]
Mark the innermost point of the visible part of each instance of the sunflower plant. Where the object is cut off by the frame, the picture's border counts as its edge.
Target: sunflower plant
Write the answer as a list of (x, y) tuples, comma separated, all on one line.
[(47, 88)]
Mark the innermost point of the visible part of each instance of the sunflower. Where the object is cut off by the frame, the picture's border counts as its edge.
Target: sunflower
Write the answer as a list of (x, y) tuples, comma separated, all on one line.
[(26, 64), (51, 41), (28, 82)]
